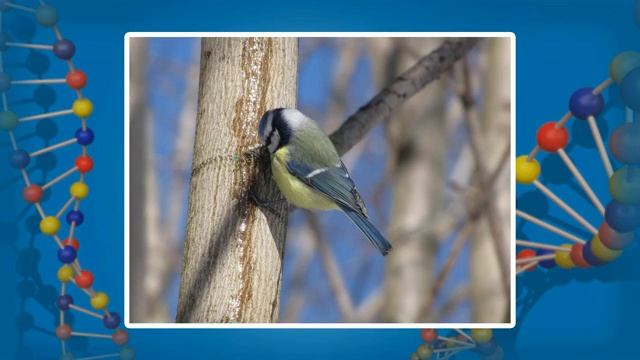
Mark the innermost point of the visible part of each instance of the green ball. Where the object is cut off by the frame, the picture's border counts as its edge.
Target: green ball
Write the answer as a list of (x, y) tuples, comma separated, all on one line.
[(622, 64), (424, 352), (8, 120), (624, 185)]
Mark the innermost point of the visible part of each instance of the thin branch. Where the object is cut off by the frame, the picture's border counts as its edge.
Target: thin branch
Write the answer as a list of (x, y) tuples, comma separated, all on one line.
[(345, 304), (382, 106)]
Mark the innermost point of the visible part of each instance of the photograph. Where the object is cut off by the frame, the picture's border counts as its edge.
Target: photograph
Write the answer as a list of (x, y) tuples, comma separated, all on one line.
[(336, 179)]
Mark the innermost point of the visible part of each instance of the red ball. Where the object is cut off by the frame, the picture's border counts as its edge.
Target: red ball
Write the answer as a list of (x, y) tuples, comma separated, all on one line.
[(120, 337), (551, 138), (525, 254), (63, 332), (84, 279), (32, 193), (71, 242), (84, 163), (429, 335), (76, 79), (613, 239), (576, 256)]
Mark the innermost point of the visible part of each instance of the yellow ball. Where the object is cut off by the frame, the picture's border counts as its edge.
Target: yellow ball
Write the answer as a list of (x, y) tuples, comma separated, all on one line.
[(563, 258), (602, 252), (82, 108), (424, 352), (79, 190), (49, 225), (482, 336), (65, 273), (526, 170), (99, 300)]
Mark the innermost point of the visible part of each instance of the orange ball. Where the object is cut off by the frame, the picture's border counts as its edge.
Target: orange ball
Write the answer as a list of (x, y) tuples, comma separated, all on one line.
[(576, 256), (32, 193), (84, 279), (84, 163), (76, 79), (525, 254), (120, 337), (71, 242), (551, 138), (63, 332), (429, 335)]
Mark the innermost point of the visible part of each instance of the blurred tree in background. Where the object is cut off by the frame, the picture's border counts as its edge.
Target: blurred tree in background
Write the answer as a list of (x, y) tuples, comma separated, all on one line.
[(428, 174)]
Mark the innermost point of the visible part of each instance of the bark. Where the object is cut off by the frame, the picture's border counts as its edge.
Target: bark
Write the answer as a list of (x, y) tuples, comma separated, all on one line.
[(233, 248), (489, 295)]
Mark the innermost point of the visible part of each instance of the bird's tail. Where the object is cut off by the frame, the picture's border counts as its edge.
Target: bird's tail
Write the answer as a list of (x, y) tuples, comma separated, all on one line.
[(369, 230)]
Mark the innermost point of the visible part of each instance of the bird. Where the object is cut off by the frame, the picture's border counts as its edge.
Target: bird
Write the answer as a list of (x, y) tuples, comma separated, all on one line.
[(309, 172)]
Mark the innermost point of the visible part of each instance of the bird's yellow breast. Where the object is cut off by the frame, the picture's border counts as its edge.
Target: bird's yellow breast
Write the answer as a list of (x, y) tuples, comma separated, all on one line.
[(297, 192)]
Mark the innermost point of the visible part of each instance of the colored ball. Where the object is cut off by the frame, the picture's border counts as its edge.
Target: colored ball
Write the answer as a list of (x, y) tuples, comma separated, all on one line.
[(527, 171), (99, 300), (624, 185), (630, 89), (84, 163), (524, 254), (547, 264), (32, 193), (622, 64), (612, 239), (79, 190), (120, 337), (76, 79), (63, 302), (8, 120), (111, 320), (563, 258), (127, 353), (84, 136), (46, 15), (424, 352), (72, 242), (602, 252), (576, 256), (65, 273), (590, 257), (63, 332), (75, 216), (487, 348), (622, 217), (5, 81), (67, 254), (552, 138), (64, 49), (84, 280), (4, 39), (49, 225), (482, 336), (19, 159), (584, 103), (82, 108), (625, 143), (429, 335)]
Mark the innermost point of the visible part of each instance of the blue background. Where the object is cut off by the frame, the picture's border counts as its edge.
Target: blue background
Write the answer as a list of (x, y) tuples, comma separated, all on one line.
[(561, 46)]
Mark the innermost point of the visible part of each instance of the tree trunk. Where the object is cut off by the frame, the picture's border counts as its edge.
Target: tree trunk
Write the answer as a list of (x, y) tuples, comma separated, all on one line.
[(233, 248), (489, 301)]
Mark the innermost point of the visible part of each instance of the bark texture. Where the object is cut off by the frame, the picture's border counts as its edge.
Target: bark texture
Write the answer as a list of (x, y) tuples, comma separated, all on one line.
[(234, 248)]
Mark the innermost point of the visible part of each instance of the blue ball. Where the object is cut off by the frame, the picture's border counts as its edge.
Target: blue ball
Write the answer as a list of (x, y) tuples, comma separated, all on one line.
[(622, 217), (111, 320), (75, 215), (630, 89), (547, 264), (5, 81), (63, 302), (19, 159), (84, 136), (588, 255), (584, 103), (4, 39), (46, 15), (64, 49), (625, 143), (67, 254)]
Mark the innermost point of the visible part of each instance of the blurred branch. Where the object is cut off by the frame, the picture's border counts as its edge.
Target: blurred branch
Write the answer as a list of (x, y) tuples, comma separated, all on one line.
[(348, 50), (345, 304), (452, 303), (380, 108), (474, 134)]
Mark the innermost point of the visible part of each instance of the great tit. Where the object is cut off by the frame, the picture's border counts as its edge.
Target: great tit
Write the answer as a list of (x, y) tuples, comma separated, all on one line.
[(309, 172)]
